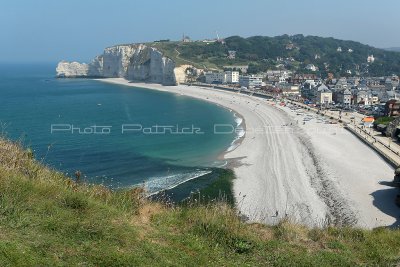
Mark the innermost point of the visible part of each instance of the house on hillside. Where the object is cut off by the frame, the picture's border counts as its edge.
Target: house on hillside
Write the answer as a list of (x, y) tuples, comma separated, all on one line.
[(186, 39), (311, 67), (371, 59), (231, 54)]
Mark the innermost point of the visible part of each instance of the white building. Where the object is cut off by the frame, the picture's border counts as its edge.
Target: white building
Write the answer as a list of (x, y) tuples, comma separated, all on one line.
[(232, 76), (251, 81), (284, 76), (370, 59), (324, 95), (311, 67), (364, 98), (231, 54), (222, 77)]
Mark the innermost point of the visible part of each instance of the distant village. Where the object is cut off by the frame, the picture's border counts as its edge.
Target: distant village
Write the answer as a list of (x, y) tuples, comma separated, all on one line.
[(371, 96), (377, 96)]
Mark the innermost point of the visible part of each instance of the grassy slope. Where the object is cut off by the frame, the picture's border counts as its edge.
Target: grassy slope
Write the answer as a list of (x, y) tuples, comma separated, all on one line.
[(47, 219), (261, 53), (173, 50)]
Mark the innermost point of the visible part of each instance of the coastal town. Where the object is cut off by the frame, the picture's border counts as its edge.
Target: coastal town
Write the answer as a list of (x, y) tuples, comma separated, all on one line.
[(353, 108), (371, 96), (212, 133), (367, 106)]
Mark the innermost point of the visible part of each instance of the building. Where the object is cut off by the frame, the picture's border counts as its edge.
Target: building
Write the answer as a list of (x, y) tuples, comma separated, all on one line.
[(278, 76), (324, 95), (215, 77), (374, 99), (391, 83), (231, 54), (341, 83), (301, 78), (364, 98), (289, 89), (209, 41), (392, 108), (370, 59), (251, 81), (290, 46), (311, 67), (232, 76), (222, 77), (368, 121), (344, 97), (186, 39)]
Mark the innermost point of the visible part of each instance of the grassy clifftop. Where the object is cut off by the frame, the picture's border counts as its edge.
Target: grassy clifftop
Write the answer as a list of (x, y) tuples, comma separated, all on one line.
[(47, 219)]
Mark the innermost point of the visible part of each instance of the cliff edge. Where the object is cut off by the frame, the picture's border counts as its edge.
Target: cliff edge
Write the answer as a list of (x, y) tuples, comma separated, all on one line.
[(134, 62)]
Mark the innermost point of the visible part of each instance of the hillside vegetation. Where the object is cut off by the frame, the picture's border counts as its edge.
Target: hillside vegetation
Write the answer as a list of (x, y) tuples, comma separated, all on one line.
[(47, 219), (290, 52)]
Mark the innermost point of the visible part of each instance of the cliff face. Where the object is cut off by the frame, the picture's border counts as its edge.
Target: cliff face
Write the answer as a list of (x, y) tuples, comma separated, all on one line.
[(136, 62), (72, 69)]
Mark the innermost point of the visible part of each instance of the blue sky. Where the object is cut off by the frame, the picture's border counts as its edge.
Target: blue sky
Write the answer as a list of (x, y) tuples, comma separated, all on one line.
[(48, 30)]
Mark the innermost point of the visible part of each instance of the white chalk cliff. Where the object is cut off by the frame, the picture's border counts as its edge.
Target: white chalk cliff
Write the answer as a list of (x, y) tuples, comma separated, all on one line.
[(135, 62)]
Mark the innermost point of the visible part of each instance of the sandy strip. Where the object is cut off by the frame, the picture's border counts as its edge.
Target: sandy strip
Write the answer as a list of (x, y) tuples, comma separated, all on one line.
[(314, 173)]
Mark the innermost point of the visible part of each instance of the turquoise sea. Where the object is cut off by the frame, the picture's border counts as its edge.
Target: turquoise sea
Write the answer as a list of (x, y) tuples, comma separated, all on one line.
[(76, 124)]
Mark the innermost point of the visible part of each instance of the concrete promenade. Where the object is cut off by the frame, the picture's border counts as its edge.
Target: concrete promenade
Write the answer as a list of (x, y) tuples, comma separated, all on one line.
[(352, 121)]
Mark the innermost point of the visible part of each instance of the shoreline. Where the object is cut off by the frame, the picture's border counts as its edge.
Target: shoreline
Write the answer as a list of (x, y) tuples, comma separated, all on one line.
[(284, 170), (235, 143), (238, 141)]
